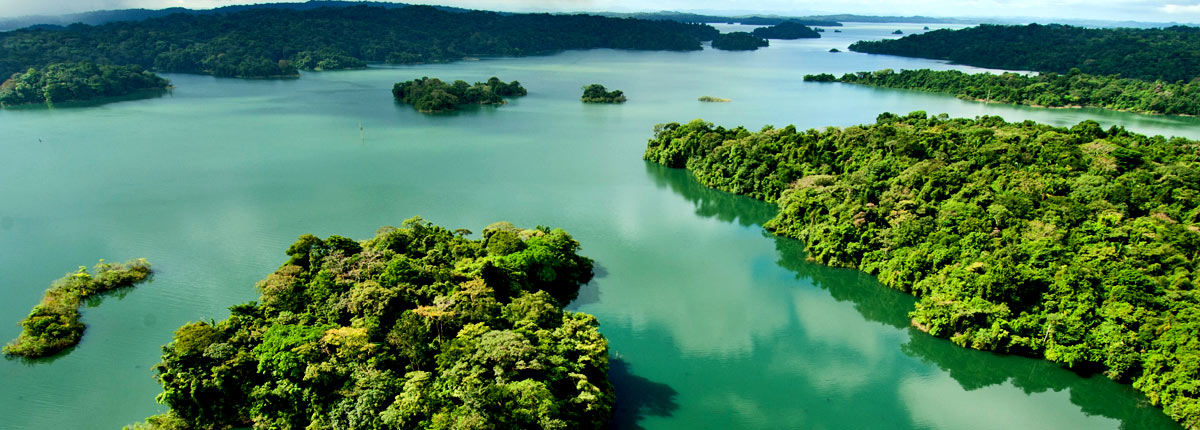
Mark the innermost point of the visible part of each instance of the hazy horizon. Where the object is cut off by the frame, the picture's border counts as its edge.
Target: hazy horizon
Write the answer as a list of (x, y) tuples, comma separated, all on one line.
[(1106, 10)]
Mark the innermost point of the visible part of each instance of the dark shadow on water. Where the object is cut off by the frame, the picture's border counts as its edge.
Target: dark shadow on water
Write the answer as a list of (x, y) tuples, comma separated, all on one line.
[(1095, 395), (711, 203), (638, 397), (589, 293)]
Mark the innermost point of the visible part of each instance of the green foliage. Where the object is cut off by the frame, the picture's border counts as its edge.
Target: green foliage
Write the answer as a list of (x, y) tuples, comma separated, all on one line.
[(62, 82), (53, 325), (786, 30), (418, 327), (1048, 89), (275, 42), (739, 41), (432, 95), (711, 99), (1167, 54), (596, 93), (1076, 244)]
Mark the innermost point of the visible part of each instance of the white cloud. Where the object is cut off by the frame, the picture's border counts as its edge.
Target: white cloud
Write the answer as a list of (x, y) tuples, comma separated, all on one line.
[(1182, 9)]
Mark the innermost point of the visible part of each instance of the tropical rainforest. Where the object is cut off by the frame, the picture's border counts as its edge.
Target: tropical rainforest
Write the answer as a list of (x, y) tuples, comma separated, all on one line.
[(1167, 54), (62, 82), (739, 41), (596, 93), (1076, 244), (53, 325), (786, 30), (277, 42), (432, 95), (418, 327), (1074, 89)]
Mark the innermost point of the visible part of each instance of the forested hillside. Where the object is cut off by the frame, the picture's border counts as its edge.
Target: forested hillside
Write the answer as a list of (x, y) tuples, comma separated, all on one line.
[(1079, 245), (419, 327), (1046, 89), (1170, 54), (265, 42), (63, 82)]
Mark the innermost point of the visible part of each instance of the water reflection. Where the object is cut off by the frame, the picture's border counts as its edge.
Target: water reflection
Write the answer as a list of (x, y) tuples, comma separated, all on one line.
[(841, 357), (638, 397)]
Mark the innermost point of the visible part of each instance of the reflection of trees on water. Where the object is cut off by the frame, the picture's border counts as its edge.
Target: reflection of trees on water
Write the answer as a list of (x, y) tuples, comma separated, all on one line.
[(971, 369), (638, 397), (711, 203)]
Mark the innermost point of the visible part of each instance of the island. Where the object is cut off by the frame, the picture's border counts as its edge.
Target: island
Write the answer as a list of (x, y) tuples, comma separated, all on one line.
[(834, 50), (786, 30), (1166, 54), (739, 41), (53, 325), (431, 95), (898, 32), (65, 82), (711, 99), (261, 42), (418, 327), (1074, 89), (1075, 244), (596, 93)]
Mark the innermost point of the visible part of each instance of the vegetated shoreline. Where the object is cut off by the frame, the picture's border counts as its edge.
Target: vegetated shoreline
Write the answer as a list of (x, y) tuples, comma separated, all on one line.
[(417, 327), (1047, 90), (53, 325), (77, 82), (1001, 230)]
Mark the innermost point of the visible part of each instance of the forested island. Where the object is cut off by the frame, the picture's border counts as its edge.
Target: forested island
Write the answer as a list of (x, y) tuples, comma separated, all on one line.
[(786, 30), (63, 82), (596, 93), (1047, 89), (711, 99), (418, 327), (430, 95), (278, 42), (53, 325), (1078, 245), (1167, 54), (739, 41)]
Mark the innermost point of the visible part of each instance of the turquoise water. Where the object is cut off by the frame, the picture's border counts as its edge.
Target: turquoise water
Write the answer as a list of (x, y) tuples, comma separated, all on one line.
[(711, 322)]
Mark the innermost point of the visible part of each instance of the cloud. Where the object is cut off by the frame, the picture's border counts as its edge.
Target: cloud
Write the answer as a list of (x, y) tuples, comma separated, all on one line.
[(1181, 9)]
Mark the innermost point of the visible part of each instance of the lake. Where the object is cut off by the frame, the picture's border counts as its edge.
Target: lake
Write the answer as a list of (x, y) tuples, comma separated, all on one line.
[(712, 323)]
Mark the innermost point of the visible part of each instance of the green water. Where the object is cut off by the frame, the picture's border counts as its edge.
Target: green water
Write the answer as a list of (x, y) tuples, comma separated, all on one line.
[(712, 323)]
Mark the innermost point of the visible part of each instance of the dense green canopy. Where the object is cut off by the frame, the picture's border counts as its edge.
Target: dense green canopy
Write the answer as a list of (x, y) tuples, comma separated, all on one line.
[(1049, 89), (418, 327), (739, 41), (1080, 245), (596, 93), (275, 42), (433, 95), (62, 82), (1168, 54), (786, 30)]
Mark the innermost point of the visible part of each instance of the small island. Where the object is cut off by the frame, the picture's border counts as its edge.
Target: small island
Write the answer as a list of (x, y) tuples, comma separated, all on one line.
[(786, 30), (711, 99), (431, 95), (596, 93), (897, 32), (739, 41), (419, 327), (53, 325), (65, 82), (834, 50)]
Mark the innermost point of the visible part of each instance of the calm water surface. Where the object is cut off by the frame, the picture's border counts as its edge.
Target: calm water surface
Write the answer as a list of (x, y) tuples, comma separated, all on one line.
[(712, 323)]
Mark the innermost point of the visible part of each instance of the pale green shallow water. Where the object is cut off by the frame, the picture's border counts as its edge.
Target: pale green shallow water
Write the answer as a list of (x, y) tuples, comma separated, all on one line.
[(713, 323)]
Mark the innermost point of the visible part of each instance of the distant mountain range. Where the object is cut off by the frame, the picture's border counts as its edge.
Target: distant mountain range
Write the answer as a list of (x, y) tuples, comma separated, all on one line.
[(106, 16)]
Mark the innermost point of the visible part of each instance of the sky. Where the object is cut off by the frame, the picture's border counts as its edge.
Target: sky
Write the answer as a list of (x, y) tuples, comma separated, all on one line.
[(1115, 10)]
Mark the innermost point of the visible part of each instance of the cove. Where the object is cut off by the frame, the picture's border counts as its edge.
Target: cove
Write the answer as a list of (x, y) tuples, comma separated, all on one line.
[(712, 323)]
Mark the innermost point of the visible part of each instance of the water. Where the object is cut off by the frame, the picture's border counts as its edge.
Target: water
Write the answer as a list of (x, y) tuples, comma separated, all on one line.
[(711, 322)]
